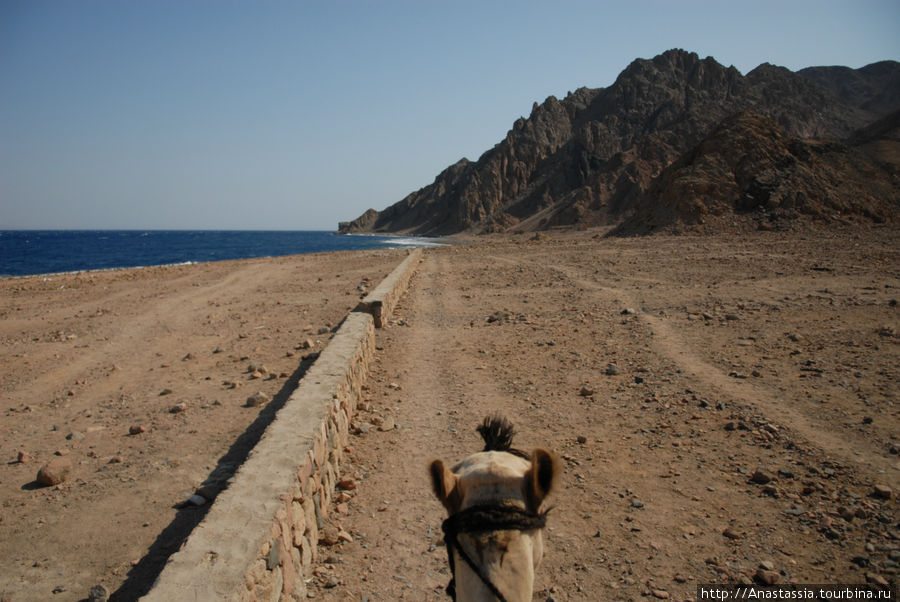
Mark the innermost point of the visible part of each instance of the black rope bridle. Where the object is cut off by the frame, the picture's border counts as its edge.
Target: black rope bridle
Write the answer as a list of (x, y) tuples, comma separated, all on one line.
[(482, 519)]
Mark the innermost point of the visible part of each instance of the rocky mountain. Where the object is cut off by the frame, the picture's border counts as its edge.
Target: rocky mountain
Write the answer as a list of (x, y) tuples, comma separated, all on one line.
[(751, 173), (592, 157)]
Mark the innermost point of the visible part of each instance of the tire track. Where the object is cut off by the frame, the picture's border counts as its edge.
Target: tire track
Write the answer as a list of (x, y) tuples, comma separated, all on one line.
[(670, 345)]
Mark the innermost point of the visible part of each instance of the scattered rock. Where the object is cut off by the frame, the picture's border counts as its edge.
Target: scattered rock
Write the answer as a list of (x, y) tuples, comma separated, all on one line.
[(347, 484), (387, 424), (660, 594), (627, 312), (636, 503), (765, 577), (178, 408), (24, 457), (731, 533), (196, 500), (877, 580), (136, 429), (329, 536), (257, 399), (882, 491), (581, 439), (55, 471), (760, 477), (770, 490), (98, 593), (586, 391), (612, 369), (165, 392), (75, 436)]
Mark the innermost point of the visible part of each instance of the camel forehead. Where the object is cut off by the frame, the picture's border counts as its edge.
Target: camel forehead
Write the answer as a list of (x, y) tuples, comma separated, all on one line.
[(491, 474), (493, 463)]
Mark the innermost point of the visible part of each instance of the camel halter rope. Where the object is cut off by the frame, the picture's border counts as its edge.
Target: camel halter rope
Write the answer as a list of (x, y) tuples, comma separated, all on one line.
[(482, 519)]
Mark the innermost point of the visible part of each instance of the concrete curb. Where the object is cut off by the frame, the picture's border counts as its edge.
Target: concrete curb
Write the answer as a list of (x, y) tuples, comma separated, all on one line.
[(260, 537), (381, 302)]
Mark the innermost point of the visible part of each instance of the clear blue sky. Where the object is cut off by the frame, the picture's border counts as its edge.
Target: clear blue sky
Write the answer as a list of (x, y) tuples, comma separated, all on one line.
[(299, 114)]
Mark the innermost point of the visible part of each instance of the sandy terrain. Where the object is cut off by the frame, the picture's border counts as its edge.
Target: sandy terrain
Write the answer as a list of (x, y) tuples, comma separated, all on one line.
[(85, 357), (666, 372), (731, 355)]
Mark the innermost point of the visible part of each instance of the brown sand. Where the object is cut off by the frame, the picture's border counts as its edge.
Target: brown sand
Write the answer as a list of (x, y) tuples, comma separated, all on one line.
[(772, 352), (87, 356)]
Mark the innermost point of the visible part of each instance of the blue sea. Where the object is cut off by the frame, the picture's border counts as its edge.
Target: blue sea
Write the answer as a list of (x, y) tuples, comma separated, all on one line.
[(28, 252)]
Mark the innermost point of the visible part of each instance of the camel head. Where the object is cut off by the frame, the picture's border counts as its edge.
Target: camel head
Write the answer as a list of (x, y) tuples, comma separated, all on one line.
[(495, 501)]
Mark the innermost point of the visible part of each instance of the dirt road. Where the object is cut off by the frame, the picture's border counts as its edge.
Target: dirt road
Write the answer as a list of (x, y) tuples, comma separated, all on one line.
[(719, 405), (723, 407)]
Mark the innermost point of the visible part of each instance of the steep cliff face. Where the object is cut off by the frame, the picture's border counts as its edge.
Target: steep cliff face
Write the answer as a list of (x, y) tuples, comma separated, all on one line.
[(588, 158), (750, 173)]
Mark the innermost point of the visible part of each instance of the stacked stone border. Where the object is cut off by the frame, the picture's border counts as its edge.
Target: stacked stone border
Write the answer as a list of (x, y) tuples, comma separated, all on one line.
[(381, 302), (258, 540)]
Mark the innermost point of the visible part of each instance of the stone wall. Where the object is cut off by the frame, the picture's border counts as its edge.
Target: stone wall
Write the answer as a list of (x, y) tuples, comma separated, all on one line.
[(260, 537), (381, 302)]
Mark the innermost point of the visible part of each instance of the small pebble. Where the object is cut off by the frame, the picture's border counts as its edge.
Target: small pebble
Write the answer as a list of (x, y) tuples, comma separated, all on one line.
[(258, 399), (731, 533), (882, 491), (55, 471), (760, 477), (767, 577), (98, 593)]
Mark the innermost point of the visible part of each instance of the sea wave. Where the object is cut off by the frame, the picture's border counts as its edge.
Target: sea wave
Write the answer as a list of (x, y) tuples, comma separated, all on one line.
[(412, 241)]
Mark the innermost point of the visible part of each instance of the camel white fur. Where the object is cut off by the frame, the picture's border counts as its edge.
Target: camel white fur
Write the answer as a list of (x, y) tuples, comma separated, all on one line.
[(499, 477)]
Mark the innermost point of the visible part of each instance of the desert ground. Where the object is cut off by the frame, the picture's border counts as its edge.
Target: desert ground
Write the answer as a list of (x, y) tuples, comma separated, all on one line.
[(724, 409), (86, 357)]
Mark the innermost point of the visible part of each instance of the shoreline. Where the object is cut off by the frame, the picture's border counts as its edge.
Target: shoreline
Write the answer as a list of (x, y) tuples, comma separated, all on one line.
[(315, 246)]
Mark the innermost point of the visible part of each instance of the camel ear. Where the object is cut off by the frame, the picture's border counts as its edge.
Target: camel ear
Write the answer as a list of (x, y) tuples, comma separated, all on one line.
[(443, 481), (540, 478)]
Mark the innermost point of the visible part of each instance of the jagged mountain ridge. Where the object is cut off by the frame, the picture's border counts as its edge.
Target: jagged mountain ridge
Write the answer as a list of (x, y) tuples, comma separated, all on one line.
[(590, 157), (751, 170)]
